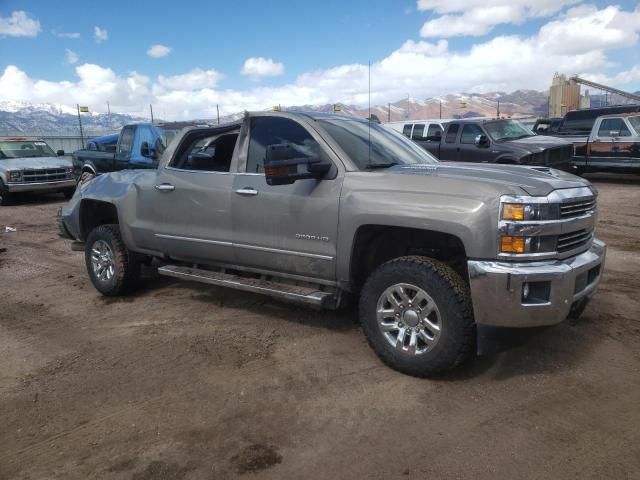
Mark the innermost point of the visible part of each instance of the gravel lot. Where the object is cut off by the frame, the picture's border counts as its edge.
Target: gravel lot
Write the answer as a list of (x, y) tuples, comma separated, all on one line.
[(189, 381)]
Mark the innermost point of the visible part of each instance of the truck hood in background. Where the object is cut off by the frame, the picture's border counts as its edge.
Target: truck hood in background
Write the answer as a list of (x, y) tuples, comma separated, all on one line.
[(536, 181), (36, 163), (540, 142)]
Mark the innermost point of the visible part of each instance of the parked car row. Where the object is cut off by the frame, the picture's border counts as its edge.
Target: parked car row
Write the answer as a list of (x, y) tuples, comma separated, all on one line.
[(610, 144)]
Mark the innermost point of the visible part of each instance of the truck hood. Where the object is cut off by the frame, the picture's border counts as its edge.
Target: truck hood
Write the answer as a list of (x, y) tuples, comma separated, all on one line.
[(36, 163), (536, 181), (538, 143)]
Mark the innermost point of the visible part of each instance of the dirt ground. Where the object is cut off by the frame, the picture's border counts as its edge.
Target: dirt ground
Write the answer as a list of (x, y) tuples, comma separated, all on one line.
[(185, 381)]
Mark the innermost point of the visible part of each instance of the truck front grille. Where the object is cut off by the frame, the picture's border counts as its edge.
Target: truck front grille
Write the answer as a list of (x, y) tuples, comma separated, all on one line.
[(559, 154), (578, 208), (574, 240), (44, 175)]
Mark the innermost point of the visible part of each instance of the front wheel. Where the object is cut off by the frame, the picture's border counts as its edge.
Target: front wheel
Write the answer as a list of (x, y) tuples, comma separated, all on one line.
[(113, 269), (6, 198), (417, 316)]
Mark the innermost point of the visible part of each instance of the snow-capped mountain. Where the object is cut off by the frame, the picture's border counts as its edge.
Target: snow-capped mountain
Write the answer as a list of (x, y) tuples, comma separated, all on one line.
[(29, 118)]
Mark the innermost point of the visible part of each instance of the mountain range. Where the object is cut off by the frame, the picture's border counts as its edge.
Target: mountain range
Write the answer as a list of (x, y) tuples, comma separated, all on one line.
[(22, 118)]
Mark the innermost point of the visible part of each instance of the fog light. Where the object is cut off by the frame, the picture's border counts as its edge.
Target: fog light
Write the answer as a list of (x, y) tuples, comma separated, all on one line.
[(509, 244), (525, 291)]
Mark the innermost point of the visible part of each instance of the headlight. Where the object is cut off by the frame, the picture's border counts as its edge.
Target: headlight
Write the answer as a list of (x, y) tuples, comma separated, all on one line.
[(14, 176), (518, 212), (68, 171)]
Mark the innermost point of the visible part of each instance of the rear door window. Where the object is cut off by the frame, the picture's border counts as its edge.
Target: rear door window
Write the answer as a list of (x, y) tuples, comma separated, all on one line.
[(406, 130), (126, 141), (435, 131), (418, 131), (452, 133)]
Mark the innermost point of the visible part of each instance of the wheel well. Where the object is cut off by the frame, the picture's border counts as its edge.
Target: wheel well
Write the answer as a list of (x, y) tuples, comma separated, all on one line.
[(94, 213), (376, 244), (88, 168)]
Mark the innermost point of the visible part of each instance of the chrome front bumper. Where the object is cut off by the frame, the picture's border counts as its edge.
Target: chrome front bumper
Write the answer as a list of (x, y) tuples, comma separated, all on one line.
[(40, 186), (497, 288)]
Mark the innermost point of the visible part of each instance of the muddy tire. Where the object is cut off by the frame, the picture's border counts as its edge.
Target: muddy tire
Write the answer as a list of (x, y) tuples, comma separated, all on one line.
[(68, 192), (112, 268), (417, 316)]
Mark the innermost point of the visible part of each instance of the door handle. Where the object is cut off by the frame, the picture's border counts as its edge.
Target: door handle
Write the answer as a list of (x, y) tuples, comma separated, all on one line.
[(248, 191), (165, 187)]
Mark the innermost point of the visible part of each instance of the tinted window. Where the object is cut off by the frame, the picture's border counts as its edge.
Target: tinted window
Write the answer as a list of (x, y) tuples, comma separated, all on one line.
[(584, 119), (210, 154), (452, 132), (469, 133), (126, 141), (613, 125), (407, 129), (275, 130), (434, 130), (418, 131)]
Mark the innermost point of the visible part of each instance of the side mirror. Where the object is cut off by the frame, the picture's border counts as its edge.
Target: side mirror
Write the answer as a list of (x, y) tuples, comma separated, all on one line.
[(482, 141), (60, 153), (282, 161), (147, 151)]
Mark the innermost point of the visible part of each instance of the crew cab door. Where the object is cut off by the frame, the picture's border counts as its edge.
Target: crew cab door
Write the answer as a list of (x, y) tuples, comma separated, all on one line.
[(611, 144), (123, 149), (192, 199), (285, 228), (428, 136), (468, 150), (449, 146)]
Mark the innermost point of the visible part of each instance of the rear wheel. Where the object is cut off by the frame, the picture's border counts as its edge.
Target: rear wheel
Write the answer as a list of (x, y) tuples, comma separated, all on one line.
[(113, 269), (417, 315)]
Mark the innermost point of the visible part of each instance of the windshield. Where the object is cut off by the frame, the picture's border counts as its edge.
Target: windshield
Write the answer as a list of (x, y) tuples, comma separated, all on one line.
[(635, 123), (507, 130), (26, 149), (370, 145)]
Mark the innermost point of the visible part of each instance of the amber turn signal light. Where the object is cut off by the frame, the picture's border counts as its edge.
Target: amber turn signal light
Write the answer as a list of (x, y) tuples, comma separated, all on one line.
[(512, 211), (512, 244)]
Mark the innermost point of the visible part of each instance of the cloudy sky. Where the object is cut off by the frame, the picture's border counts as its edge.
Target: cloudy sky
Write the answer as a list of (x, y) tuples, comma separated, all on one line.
[(186, 57)]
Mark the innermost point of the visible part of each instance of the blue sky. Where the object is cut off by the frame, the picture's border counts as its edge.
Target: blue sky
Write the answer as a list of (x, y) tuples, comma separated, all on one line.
[(309, 52)]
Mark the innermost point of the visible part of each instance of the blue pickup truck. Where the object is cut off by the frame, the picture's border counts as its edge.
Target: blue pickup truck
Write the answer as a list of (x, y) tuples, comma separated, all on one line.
[(137, 146)]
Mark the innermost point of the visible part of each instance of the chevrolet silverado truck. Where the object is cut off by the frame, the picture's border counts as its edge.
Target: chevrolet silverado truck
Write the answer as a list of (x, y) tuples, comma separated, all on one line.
[(497, 141), (138, 146), (28, 166), (320, 209), (612, 146)]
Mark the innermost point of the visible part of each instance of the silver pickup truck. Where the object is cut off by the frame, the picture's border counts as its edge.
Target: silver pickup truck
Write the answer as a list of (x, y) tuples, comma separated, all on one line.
[(323, 208)]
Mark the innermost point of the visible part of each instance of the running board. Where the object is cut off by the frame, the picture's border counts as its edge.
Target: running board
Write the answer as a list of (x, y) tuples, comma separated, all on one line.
[(308, 295)]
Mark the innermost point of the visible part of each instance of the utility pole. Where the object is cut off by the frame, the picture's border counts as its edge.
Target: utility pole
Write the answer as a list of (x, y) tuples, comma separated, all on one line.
[(498, 109), (151, 110), (440, 109), (389, 115), (108, 113), (80, 123), (218, 111)]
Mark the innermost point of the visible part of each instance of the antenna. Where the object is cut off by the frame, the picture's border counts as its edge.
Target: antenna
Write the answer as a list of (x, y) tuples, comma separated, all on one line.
[(369, 111)]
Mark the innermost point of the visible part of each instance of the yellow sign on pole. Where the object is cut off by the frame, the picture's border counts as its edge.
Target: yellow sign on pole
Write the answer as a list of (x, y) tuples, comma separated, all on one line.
[(84, 109), (337, 108), (463, 104), (276, 108)]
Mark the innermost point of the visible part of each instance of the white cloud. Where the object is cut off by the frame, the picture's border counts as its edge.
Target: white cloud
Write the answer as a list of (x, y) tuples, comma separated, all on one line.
[(157, 51), (100, 34), (72, 57), (73, 35), (19, 24), (475, 17), (257, 67), (419, 68)]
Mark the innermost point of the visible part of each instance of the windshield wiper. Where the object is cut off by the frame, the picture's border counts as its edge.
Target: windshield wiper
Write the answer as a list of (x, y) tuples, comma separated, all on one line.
[(373, 166)]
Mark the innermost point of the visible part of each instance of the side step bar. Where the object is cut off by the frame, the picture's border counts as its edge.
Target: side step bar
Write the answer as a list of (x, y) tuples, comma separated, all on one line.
[(284, 291)]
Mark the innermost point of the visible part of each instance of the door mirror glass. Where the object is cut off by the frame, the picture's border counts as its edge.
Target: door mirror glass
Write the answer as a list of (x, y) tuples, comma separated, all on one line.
[(283, 165), (147, 151), (60, 153), (482, 140)]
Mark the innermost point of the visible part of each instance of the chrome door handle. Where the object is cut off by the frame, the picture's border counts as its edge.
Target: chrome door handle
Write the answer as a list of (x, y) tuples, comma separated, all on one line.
[(247, 191), (165, 187)]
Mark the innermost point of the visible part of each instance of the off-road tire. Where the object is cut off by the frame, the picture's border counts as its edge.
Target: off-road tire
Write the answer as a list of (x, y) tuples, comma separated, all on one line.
[(453, 299), (127, 266), (68, 192), (6, 198)]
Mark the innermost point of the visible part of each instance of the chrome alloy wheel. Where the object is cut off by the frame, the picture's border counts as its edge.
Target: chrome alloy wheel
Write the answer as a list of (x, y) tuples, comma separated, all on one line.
[(409, 319), (102, 262)]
